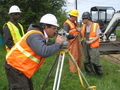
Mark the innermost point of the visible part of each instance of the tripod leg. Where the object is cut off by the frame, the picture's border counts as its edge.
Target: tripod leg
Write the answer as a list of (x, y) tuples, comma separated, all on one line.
[(50, 72), (59, 71), (79, 71)]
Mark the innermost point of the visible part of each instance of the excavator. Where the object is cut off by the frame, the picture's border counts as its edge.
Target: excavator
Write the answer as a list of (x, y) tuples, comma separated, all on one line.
[(108, 20)]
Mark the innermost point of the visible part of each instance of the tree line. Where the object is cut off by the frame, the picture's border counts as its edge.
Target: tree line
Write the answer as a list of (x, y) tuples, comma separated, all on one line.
[(32, 10)]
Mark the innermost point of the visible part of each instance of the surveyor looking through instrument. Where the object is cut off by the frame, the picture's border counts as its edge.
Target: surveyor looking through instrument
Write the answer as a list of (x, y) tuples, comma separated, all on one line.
[(27, 55)]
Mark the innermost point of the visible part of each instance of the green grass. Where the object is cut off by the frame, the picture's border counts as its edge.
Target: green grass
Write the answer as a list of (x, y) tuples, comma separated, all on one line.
[(3, 81), (118, 35), (69, 81)]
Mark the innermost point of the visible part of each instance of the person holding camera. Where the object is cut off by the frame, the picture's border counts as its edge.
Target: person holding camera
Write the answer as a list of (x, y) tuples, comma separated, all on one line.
[(27, 55), (71, 27), (90, 34)]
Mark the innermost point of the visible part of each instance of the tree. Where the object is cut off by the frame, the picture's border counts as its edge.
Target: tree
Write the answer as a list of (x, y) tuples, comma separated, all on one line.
[(32, 10)]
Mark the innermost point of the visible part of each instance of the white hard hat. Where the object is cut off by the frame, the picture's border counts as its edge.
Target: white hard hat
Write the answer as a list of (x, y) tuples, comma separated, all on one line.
[(14, 9), (49, 19)]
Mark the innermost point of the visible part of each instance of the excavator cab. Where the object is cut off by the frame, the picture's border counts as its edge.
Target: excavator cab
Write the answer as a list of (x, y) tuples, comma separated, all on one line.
[(108, 20), (102, 15)]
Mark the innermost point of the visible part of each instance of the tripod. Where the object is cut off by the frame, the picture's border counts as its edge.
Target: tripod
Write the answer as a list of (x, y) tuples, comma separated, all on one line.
[(59, 61)]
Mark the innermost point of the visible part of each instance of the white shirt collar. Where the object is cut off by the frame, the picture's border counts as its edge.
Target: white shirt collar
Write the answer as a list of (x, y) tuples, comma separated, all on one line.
[(46, 36)]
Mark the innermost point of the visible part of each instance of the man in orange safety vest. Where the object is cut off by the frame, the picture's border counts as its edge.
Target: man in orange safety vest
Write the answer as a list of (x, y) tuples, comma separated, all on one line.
[(90, 34), (74, 46), (27, 55)]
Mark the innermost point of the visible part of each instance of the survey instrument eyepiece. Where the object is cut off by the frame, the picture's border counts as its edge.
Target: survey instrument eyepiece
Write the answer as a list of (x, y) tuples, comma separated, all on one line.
[(64, 35)]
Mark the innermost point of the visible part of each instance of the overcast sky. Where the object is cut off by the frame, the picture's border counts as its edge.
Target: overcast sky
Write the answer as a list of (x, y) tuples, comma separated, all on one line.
[(85, 5)]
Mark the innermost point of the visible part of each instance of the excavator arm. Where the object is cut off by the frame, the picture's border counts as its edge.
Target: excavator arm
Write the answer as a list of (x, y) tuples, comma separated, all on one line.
[(108, 42), (110, 30)]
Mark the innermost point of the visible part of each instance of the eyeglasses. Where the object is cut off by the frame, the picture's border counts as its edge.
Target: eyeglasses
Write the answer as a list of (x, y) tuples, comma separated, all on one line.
[(84, 18), (16, 13), (55, 29)]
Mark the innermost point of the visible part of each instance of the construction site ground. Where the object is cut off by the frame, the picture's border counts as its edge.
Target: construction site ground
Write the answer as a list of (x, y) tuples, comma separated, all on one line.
[(115, 58)]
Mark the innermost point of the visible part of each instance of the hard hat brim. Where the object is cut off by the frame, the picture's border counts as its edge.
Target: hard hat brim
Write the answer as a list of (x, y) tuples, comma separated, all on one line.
[(51, 24), (15, 12), (73, 15)]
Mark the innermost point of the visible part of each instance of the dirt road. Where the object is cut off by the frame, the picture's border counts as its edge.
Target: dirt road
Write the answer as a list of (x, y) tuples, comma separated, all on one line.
[(115, 58)]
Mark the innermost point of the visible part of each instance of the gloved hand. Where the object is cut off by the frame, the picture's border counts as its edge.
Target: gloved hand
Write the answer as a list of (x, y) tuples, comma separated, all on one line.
[(78, 29), (74, 35), (71, 36), (83, 42), (89, 42)]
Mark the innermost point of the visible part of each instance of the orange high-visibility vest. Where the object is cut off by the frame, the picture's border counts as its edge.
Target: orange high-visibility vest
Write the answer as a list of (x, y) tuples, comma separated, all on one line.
[(23, 58), (14, 33), (72, 27), (92, 34)]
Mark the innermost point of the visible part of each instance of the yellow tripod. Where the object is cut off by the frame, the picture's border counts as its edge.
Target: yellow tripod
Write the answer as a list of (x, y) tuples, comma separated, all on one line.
[(59, 61)]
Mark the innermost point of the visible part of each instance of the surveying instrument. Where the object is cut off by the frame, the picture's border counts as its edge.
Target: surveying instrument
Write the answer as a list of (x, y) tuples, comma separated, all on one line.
[(59, 61)]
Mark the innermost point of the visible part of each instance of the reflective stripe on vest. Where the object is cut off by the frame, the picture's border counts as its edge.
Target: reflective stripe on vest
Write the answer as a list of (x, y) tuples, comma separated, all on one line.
[(72, 27), (13, 48), (23, 58), (27, 54), (90, 38), (14, 32), (92, 34), (93, 30)]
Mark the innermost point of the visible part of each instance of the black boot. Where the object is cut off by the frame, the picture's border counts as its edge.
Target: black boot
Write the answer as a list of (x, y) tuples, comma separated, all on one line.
[(98, 70), (88, 68)]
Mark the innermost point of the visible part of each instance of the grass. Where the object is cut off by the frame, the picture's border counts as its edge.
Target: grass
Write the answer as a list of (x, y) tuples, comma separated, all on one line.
[(69, 81), (118, 35), (3, 81)]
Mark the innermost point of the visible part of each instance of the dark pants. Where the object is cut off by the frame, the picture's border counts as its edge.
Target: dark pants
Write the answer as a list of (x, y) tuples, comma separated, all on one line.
[(17, 80), (91, 62)]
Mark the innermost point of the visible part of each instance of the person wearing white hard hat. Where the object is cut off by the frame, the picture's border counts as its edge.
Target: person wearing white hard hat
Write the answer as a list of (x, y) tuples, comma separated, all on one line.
[(12, 30), (27, 55)]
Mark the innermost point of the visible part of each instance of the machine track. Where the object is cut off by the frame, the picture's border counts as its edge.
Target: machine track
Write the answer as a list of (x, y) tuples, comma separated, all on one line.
[(111, 56)]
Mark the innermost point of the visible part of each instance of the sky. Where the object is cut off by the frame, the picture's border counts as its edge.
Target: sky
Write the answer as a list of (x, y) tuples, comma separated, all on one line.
[(85, 5)]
